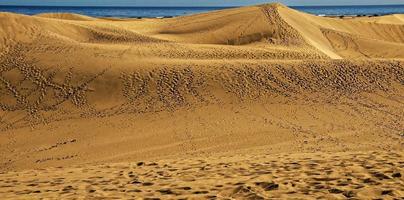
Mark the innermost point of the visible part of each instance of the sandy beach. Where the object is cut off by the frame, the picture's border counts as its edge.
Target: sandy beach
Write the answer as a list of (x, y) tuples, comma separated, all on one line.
[(257, 102)]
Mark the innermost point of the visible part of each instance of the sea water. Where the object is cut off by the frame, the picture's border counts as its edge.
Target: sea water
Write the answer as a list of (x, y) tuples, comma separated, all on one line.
[(131, 12)]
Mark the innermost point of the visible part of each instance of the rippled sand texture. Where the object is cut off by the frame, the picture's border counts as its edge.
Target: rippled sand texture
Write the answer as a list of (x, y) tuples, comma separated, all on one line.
[(359, 175), (255, 102)]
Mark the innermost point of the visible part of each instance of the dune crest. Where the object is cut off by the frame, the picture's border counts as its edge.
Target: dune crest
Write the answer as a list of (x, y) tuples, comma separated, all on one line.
[(67, 16)]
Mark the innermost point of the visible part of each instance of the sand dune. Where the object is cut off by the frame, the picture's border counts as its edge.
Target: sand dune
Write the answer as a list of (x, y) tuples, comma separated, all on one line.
[(388, 19), (241, 87), (67, 16), (271, 27)]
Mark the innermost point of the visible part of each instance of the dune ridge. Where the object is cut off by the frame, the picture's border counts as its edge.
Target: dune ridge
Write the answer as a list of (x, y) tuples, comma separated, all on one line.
[(67, 16), (234, 87), (272, 23)]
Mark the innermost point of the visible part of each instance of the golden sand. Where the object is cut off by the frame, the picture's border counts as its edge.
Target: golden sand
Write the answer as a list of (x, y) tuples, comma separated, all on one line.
[(255, 102)]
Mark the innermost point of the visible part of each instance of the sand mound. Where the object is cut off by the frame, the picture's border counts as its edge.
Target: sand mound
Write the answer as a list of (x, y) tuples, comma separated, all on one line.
[(233, 26), (26, 29), (238, 80), (368, 38), (67, 16), (281, 31), (58, 70), (389, 19)]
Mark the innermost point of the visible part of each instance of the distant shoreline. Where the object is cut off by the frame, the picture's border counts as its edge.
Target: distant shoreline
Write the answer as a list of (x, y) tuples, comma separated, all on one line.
[(168, 12), (291, 6), (320, 15)]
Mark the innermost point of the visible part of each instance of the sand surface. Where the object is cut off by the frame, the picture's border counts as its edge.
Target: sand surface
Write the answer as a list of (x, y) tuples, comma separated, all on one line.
[(255, 102), (257, 175)]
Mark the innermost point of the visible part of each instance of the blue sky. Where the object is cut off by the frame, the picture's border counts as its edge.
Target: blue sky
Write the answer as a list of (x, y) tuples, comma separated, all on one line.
[(192, 2)]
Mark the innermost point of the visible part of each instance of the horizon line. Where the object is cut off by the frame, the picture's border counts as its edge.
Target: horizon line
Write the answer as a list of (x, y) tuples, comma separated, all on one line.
[(113, 6)]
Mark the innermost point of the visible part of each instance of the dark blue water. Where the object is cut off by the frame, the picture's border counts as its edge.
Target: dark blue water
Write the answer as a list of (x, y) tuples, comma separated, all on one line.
[(124, 12), (129, 12), (352, 10)]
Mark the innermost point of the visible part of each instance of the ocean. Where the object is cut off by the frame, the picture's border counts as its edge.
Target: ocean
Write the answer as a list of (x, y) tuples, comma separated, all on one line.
[(131, 12)]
